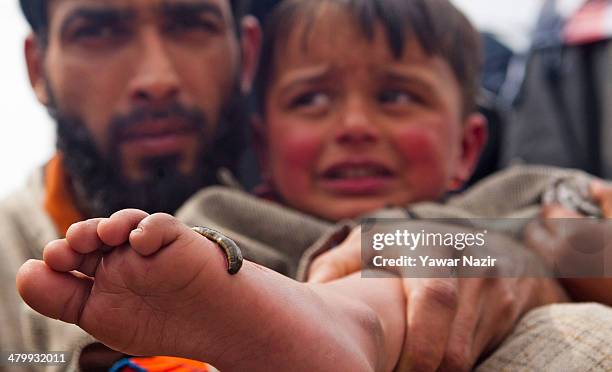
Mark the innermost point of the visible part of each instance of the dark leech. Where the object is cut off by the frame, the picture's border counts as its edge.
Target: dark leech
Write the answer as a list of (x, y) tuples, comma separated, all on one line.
[(229, 247)]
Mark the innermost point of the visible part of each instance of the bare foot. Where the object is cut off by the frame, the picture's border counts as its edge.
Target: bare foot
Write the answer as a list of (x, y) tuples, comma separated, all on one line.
[(149, 285)]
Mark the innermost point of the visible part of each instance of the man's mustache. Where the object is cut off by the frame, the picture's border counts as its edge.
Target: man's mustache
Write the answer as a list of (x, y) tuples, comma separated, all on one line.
[(192, 120)]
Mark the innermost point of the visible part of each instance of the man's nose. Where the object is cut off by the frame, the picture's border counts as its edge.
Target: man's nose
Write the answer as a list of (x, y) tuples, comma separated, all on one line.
[(155, 81), (357, 125)]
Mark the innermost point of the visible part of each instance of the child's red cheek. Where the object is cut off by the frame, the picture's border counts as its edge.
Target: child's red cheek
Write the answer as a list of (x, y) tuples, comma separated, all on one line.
[(417, 146), (300, 150), (295, 162)]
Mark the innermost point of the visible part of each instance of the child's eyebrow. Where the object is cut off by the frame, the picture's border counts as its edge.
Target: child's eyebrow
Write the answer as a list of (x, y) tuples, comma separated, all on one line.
[(310, 75), (414, 78)]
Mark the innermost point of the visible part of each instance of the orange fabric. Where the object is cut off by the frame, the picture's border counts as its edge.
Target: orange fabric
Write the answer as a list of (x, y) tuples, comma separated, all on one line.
[(163, 364), (59, 203)]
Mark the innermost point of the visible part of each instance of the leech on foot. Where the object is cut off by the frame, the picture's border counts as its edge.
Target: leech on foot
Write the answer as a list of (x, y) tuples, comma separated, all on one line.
[(229, 247)]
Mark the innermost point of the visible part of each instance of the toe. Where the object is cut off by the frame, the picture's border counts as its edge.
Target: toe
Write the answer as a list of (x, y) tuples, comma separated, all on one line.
[(157, 231), (56, 295), (59, 256), (115, 230), (83, 237)]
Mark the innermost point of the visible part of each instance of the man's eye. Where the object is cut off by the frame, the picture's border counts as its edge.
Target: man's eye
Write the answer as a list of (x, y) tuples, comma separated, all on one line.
[(98, 32), (310, 100), (189, 24)]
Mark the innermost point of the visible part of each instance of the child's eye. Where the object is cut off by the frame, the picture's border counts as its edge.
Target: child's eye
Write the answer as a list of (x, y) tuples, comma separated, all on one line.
[(397, 97), (310, 100)]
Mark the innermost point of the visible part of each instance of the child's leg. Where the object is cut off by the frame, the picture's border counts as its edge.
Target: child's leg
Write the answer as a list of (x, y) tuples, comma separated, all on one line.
[(168, 293)]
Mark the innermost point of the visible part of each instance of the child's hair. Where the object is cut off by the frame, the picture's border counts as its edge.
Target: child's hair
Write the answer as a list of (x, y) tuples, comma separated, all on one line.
[(440, 28)]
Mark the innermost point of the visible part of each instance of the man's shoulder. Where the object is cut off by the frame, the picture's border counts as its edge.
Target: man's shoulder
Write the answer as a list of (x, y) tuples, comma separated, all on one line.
[(24, 224), (24, 198)]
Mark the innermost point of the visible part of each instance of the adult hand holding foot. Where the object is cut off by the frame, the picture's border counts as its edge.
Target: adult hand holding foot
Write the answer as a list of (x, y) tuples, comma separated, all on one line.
[(148, 285), (450, 322)]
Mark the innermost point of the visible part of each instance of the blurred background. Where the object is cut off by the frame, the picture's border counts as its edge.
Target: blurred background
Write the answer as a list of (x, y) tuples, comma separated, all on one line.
[(27, 135)]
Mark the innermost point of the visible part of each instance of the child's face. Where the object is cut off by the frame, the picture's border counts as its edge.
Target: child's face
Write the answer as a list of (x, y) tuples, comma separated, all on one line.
[(349, 129)]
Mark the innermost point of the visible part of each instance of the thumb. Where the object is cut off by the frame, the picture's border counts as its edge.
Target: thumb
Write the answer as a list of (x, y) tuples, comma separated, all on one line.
[(557, 211), (339, 262), (602, 193)]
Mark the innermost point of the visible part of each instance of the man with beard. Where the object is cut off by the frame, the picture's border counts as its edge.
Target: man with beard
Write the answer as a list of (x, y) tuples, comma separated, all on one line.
[(147, 96)]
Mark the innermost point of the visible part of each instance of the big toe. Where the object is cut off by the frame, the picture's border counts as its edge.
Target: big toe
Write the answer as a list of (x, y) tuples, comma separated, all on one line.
[(56, 295)]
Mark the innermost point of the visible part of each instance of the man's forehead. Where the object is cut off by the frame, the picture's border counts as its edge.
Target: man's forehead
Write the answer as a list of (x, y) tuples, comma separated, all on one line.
[(138, 7)]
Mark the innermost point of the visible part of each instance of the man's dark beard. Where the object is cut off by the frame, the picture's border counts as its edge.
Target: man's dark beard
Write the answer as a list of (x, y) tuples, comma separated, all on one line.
[(100, 188)]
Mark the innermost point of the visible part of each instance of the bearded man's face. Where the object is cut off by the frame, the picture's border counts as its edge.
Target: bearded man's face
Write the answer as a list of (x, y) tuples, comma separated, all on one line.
[(144, 93)]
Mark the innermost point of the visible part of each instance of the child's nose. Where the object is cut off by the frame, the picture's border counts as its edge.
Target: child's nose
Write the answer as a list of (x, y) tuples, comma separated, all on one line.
[(357, 126)]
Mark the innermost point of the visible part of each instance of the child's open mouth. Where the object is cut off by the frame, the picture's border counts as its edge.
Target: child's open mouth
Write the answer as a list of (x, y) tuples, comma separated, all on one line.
[(357, 178)]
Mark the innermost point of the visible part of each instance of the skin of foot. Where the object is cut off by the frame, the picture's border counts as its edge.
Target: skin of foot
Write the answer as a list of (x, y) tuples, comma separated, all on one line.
[(148, 285)]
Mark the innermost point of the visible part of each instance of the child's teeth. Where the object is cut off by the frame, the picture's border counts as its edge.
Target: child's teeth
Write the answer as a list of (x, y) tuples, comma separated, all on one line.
[(357, 173)]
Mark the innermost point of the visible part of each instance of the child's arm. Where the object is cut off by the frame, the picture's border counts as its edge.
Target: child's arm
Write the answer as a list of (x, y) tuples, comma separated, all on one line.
[(164, 290)]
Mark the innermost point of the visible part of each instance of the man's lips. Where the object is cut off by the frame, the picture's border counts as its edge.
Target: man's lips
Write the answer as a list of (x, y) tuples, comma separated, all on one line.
[(155, 128), (157, 137), (357, 177)]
